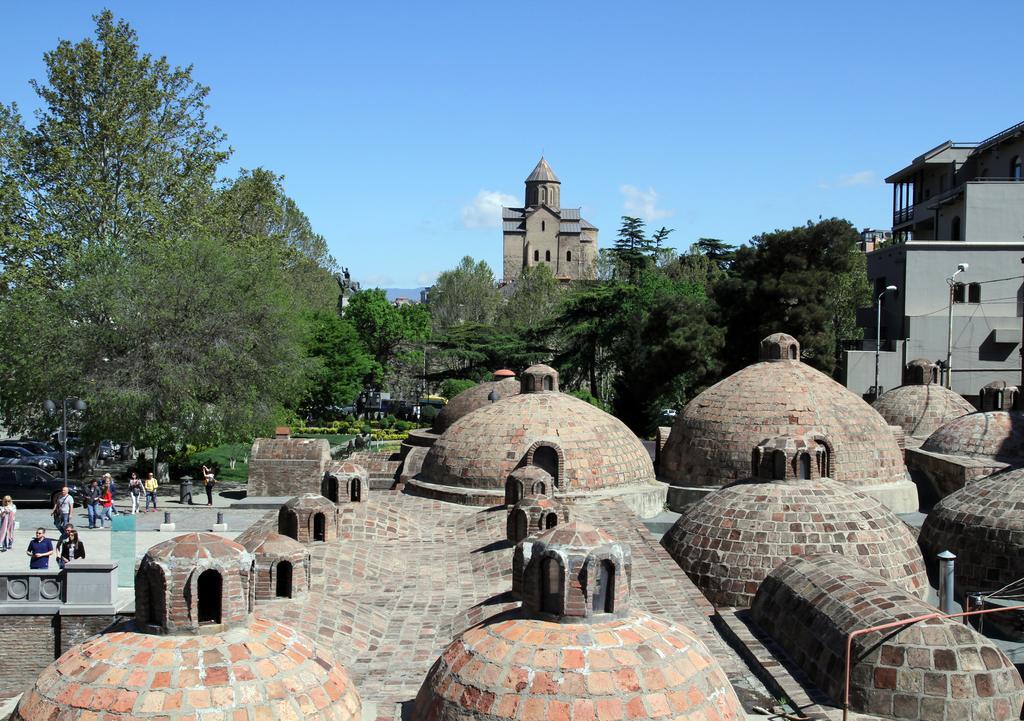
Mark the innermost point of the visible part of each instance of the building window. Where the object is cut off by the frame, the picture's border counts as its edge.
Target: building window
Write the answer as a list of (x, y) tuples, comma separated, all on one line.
[(959, 293), (543, 225), (1015, 168), (547, 255), (974, 292), (536, 256), (954, 228), (568, 255)]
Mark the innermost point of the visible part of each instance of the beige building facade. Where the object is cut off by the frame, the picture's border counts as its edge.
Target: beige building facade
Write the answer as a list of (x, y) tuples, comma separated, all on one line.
[(543, 232)]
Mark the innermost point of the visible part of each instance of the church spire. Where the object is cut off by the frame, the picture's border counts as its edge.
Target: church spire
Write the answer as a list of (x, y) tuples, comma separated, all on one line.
[(542, 186)]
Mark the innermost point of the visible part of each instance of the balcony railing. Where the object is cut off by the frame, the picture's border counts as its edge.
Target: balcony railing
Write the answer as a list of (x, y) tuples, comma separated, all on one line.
[(903, 215)]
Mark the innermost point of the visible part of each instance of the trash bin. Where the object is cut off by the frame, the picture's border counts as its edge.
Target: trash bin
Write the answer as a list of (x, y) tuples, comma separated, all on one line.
[(185, 490)]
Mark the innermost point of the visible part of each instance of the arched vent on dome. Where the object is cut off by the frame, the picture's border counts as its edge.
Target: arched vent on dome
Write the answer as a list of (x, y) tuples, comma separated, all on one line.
[(209, 597), (780, 346), (319, 527), (999, 396), (785, 458), (330, 487), (355, 489), (920, 372), (551, 586), (283, 582), (288, 523)]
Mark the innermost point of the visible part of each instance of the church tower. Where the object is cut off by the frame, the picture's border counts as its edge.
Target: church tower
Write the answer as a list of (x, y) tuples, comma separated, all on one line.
[(543, 186), (543, 232)]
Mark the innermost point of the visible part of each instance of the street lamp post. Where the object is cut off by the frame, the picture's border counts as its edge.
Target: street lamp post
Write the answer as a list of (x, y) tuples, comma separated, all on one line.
[(77, 404), (960, 268), (878, 333)]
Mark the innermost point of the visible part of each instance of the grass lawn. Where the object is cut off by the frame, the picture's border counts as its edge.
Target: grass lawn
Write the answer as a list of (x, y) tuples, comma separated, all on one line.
[(222, 455)]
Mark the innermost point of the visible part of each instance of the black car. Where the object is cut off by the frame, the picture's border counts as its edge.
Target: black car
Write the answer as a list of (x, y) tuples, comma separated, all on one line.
[(28, 484), (13, 455), (42, 448)]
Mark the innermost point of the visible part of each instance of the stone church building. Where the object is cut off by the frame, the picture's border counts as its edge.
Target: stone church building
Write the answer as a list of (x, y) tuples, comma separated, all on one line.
[(545, 232)]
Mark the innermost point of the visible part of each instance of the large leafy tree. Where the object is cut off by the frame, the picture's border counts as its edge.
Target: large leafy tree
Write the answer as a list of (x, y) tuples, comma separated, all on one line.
[(464, 294), (124, 278), (392, 335), (340, 364), (786, 281)]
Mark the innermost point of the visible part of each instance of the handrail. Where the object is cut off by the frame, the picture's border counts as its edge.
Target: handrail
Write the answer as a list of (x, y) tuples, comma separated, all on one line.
[(905, 622), (1007, 131)]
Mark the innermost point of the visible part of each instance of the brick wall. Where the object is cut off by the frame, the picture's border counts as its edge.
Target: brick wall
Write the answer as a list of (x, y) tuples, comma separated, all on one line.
[(33, 642), (287, 466)]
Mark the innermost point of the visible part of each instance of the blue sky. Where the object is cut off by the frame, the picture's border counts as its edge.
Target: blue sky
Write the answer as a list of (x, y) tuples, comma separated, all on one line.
[(400, 126)]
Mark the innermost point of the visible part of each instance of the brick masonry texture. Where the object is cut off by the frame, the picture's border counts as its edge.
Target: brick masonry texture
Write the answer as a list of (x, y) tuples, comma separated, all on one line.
[(309, 518), (728, 541), (934, 670), (167, 581), (989, 435), (287, 466), (594, 449), (345, 482), (260, 671), (421, 572), (534, 670), (920, 410), (532, 515), (983, 524), (472, 398), (711, 439), (270, 550)]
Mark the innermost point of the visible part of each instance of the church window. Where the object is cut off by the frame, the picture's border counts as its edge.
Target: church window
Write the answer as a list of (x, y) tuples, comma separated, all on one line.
[(547, 255), (543, 225), (536, 255), (568, 255)]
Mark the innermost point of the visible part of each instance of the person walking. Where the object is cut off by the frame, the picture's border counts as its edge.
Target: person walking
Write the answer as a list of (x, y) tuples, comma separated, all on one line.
[(209, 482), (107, 504), (63, 507), (39, 551), (150, 485), (70, 548), (93, 494), (135, 491), (7, 517), (108, 481)]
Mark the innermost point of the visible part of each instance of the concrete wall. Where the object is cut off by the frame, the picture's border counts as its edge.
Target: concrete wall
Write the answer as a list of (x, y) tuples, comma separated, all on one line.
[(994, 212), (918, 312)]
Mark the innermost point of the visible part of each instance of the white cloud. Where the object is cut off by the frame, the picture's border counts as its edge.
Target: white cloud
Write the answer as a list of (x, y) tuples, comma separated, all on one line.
[(485, 209), (861, 177), (643, 203), (427, 278)]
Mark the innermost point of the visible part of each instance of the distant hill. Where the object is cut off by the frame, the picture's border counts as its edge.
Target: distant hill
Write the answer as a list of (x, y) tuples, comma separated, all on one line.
[(412, 294)]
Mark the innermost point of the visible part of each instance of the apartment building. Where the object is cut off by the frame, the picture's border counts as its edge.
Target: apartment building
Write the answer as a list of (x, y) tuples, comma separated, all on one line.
[(956, 204)]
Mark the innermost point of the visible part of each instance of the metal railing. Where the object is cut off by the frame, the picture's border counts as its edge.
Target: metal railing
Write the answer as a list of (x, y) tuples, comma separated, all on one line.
[(897, 624)]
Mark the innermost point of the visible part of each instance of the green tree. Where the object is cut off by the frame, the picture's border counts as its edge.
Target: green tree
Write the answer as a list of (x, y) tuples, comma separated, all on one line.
[(718, 251), (341, 363), (534, 300), (476, 350), (253, 211), (464, 294), (451, 387), (392, 335), (785, 281), (121, 154)]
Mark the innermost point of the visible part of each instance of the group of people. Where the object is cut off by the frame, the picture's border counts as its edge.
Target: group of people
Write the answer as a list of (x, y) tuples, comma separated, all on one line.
[(68, 548), (100, 503)]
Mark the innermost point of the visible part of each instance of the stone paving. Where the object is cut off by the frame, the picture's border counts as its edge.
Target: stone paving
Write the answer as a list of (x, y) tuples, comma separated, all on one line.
[(388, 607)]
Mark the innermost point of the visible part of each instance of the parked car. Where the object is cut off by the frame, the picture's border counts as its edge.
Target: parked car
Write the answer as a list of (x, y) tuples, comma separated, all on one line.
[(21, 456), (28, 484), (108, 450), (42, 448)]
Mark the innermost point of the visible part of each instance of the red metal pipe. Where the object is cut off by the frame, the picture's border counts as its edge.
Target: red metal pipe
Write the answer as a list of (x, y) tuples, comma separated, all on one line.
[(896, 624)]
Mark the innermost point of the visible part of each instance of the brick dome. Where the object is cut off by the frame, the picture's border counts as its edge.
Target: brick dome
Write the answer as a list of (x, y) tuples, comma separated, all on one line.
[(196, 547), (983, 524), (472, 398), (938, 669), (728, 541), (575, 650), (345, 482), (988, 435), (712, 437), (532, 515), (263, 670), (308, 518), (580, 446), (920, 406), (282, 568)]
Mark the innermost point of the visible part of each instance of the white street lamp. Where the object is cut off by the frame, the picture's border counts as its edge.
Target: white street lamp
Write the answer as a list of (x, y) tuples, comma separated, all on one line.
[(878, 332), (960, 268)]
